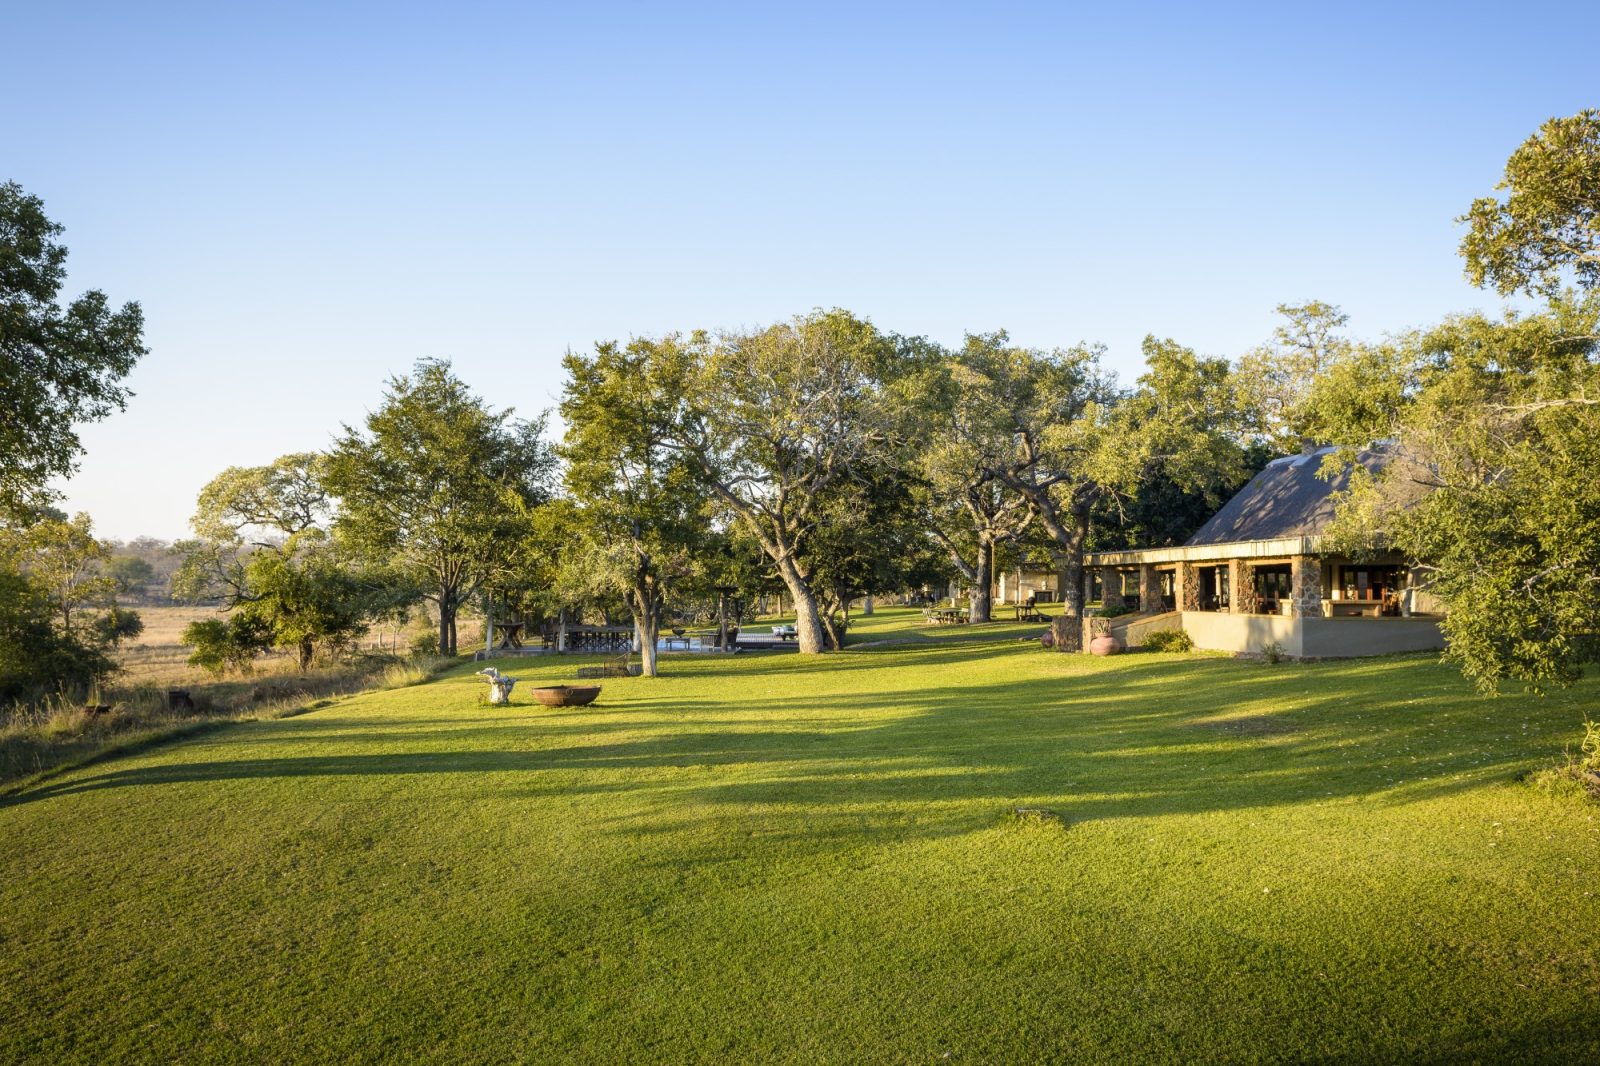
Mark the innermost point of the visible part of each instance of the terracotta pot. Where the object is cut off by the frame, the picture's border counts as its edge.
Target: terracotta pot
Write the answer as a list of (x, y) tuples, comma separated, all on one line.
[(1105, 644), (566, 695)]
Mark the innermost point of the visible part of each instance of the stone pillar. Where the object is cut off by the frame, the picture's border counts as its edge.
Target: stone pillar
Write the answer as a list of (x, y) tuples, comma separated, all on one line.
[(1111, 587), (1186, 587), (1067, 632), (1242, 588), (1305, 585), (1149, 589)]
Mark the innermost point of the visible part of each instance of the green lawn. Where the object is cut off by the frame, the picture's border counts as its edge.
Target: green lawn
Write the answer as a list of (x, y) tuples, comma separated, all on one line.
[(769, 857)]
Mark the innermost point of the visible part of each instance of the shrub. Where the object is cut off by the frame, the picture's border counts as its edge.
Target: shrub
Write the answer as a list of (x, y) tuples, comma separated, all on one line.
[(1578, 771), (1116, 610), (1169, 640), (1274, 652), (37, 659), (425, 644), (220, 646)]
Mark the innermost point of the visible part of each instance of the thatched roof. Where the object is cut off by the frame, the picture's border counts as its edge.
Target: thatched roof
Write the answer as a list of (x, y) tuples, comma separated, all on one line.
[(1287, 499)]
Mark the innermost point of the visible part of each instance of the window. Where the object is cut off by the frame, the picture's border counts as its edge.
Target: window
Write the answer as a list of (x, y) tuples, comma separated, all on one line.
[(1273, 586), (1369, 582)]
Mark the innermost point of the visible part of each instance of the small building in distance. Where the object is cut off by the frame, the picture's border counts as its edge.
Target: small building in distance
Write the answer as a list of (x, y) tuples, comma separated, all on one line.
[(1256, 576)]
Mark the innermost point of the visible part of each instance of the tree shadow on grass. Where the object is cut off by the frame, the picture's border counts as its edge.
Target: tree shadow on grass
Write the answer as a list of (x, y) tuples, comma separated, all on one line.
[(836, 766)]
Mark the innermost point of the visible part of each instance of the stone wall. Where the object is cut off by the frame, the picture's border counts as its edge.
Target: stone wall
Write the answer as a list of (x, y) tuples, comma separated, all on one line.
[(1187, 587), (1111, 587), (1305, 576), (1242, 588)]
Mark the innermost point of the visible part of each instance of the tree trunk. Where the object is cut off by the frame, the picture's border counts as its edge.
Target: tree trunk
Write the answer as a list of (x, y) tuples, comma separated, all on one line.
[(831, 629), (307, 649), (980, 609), (807, 624), (488, 622), (647, 620)]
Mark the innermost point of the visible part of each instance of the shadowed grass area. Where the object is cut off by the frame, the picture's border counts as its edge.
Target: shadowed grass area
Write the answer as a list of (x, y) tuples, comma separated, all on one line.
[(772, 857)]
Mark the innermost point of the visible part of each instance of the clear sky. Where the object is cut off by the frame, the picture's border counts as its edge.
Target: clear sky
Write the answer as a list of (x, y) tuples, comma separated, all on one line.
[(308, 198)]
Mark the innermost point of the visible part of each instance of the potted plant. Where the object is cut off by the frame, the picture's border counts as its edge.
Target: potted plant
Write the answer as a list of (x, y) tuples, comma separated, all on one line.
[(1103, 642)]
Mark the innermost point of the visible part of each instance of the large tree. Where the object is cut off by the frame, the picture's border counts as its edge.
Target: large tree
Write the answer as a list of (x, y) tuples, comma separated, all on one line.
[(53, 638), (63, 557), (1491, 485), (1548, 224), (1080, 443), (264, 548), (439, 486), (59, 365), (1274, 380), (957, 444), (1054, 408), (640, 508), (776, 418)]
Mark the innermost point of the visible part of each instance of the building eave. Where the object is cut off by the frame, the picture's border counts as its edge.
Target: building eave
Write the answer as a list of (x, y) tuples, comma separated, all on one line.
[(1279, 548)]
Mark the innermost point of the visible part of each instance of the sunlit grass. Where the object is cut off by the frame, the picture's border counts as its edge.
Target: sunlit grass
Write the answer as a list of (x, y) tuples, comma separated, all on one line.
[(764, 856)]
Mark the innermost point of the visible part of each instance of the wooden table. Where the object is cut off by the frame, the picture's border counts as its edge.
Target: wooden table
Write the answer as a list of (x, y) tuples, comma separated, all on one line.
[(511, 635), (1024, 612)]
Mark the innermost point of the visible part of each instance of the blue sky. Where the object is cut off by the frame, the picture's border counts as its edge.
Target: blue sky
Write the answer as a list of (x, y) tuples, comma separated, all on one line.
[(308, 198)]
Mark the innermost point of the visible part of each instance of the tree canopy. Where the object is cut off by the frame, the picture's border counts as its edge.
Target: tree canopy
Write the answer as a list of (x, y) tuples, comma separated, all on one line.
[(1547, 227), (777, 417), (60, 366), (439, 487), (641, 515)]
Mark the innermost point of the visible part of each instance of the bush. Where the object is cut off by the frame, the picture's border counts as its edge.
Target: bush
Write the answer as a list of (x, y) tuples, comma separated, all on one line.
[(1579, 771), (425, 644), (1169, 640), (220, 646), (1274, 652), (36, 659), (1116, 610)]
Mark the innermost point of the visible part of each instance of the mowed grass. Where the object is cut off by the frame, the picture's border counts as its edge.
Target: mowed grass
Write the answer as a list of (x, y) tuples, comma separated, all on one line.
[(775, 858)]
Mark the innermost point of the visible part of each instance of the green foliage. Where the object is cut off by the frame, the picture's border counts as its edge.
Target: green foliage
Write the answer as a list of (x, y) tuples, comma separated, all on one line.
[(129, 573), (38, 658), (774, 419), (1491, 484), (640, 520), (295, 584), (282, 499), (221, 645), (1577, 771), (866, 541), (439, 488), (1549, 221), (1176, 449), (53, 636), (956, 444), (116, 625), (309, 600), (59, 366), (64, 559), (1169, 640), (1273, 383), (424, 644)]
